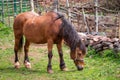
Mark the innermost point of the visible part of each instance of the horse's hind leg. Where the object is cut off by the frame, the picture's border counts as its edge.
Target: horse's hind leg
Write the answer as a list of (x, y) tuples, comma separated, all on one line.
[(62, 63), (16, 49), (49, 67), (26, 59)]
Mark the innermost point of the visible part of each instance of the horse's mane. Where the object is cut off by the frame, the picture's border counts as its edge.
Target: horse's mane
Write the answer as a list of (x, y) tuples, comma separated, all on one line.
[(70, 35)]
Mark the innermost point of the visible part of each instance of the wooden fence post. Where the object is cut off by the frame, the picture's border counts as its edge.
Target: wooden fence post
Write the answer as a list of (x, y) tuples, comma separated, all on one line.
[(119, 23), (116, 23), (68, 7), (15, 9), (96, 15), (55, 5), (3, 11), (8, 14), (20, 6), (32, 5), (85, 21)]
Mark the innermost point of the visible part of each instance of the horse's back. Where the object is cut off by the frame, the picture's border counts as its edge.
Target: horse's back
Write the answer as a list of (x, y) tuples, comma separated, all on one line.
[(22, 18), (35, 29), (40, 29)]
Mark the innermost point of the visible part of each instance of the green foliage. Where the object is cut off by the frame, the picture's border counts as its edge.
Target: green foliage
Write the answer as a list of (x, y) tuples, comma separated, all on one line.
[(6, 34), (104, 53), (91, 51), (4, 29)]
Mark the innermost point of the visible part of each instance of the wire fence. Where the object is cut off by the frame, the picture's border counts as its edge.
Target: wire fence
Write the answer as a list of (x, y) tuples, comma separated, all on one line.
[(10, 8)]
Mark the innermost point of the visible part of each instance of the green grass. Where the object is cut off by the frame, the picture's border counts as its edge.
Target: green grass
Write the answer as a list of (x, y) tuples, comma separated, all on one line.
[(105, 67)]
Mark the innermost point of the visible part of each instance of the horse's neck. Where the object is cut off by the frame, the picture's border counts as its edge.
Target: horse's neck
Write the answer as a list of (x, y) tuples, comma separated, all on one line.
[(70, 35), (71, 41)]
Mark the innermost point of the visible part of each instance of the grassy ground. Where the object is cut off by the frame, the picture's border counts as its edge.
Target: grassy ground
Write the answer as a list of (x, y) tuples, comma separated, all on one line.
[(105, 67)]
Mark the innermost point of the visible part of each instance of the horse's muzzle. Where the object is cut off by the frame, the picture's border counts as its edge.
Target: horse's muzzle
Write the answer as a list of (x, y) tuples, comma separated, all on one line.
[(79, 68)]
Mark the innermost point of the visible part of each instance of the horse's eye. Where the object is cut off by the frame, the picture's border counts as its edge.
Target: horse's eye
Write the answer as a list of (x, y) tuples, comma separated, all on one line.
[(79, 54)]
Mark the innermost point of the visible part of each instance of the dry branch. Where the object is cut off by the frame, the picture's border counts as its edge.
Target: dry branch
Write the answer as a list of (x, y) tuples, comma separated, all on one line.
[(100, 43)]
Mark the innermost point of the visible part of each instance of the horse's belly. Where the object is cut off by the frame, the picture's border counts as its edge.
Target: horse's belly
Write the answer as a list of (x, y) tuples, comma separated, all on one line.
[(34, 35), (36, 40)]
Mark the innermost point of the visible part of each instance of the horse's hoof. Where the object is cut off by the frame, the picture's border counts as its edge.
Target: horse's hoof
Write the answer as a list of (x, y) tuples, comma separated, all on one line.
[(17, 65), (64, 69), (28, 65), (50, 71)]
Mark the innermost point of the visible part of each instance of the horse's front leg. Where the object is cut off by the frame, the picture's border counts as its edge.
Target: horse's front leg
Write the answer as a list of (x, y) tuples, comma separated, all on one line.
[(26, 59), (49, 67), (62, 63)]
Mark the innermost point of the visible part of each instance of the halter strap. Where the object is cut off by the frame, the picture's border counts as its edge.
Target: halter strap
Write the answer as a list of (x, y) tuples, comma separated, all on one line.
[(76, 59), (81, 60)]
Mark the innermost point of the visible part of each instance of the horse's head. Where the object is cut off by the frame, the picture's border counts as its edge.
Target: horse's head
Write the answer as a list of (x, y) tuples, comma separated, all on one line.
[(78, 55)]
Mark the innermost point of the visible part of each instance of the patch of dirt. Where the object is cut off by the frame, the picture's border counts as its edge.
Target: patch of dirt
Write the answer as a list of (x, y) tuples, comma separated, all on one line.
[(36, 52), (4, 47)]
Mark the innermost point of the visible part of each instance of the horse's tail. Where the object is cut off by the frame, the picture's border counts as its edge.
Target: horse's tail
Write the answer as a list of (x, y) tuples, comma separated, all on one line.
[(20, 44)]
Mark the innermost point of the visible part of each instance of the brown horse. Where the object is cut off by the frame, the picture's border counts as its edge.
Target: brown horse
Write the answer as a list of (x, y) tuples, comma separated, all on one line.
[(18, 32), (51, 28)]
